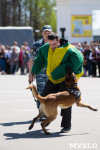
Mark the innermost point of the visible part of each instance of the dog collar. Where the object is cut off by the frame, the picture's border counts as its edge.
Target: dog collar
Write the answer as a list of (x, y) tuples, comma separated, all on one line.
[(76, 92), (73, 85)]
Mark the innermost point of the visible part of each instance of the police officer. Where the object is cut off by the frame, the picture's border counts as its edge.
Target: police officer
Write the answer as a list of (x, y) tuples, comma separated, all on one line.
[(42, 77)]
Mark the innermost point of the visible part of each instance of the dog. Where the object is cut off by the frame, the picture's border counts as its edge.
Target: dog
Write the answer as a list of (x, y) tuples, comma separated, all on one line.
[(64, 99)]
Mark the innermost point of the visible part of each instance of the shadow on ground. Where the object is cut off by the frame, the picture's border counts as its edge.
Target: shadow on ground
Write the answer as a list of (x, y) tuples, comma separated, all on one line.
[(33, 134), (37, 134), (15, 123)]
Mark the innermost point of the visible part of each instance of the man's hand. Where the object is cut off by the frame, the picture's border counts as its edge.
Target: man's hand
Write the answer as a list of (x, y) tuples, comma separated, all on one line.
[(31, 77)]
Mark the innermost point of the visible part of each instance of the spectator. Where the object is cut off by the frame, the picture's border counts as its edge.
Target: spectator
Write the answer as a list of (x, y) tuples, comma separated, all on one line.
[(26, 46), (15, 45), (80, 48), (93, 59), (2, 60), (98, 60), (1, 46), (0, 52), (25, 60), (88, 66), (8, 57), (14, 60), (21, 59), (97, 46)]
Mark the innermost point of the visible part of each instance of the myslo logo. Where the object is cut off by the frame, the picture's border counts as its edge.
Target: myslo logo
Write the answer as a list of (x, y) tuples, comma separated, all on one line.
[(83, 145)]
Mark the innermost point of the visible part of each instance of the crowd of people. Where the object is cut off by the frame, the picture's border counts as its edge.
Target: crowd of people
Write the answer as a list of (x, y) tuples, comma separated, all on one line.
[(13, 58), (91, 56)]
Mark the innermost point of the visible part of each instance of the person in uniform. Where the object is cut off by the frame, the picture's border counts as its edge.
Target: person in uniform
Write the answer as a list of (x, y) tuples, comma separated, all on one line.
[(41, 78)]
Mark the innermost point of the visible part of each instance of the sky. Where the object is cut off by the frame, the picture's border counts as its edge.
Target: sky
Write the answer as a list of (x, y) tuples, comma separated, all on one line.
[(96, 19)]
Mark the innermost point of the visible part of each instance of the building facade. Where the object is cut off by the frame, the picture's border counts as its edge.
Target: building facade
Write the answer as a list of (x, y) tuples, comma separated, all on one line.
[(74, 19)]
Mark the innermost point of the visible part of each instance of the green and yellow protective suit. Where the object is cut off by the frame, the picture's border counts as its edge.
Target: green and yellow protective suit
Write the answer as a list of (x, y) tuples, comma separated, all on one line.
[(57, 61)]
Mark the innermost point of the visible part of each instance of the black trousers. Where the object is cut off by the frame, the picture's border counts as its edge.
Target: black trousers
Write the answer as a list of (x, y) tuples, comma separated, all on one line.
[(93, 68), (55, 88)]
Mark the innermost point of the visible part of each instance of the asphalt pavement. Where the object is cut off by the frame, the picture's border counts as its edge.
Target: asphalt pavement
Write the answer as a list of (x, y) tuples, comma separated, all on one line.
[(17, 108)]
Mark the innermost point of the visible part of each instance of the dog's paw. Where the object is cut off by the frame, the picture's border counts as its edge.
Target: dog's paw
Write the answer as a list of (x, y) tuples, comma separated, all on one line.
[(47, 133), (95, 109), (30, 127)]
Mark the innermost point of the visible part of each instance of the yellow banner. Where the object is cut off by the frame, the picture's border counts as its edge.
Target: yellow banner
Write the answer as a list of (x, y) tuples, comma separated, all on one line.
[(81, 26)]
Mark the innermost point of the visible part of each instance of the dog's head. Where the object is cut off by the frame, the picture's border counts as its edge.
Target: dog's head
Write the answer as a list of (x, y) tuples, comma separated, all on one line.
[(70, 78)]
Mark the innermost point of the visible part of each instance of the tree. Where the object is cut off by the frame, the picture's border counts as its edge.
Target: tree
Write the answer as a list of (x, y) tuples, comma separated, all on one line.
[(34, 13), (40, 13), (10, 12)]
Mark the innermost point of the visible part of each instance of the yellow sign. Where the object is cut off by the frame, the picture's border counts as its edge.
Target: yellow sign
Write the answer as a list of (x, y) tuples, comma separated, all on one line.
[(81, 26)]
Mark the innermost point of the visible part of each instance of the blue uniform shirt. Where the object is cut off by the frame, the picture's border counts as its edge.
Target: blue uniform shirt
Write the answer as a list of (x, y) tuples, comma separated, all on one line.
[(36, 46), (41, 78)]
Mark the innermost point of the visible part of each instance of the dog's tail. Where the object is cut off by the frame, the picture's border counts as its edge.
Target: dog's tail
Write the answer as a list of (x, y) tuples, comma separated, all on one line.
[(35, 93)]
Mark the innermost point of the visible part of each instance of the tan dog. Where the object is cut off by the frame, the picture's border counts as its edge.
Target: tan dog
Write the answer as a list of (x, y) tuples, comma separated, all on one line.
[(64, 99)]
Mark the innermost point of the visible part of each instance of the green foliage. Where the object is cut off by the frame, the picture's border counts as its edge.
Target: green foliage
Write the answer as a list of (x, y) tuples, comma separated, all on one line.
[(41, 12)]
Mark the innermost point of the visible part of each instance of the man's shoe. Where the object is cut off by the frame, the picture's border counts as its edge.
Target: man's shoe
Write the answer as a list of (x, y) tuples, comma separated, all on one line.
[(65, 130)]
